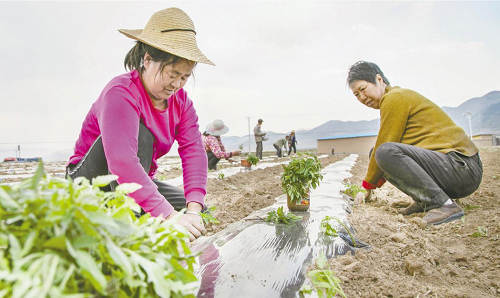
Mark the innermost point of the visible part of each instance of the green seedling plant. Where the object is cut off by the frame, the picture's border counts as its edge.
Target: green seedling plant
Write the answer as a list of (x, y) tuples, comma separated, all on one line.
[(481, 232), (252, 159), (207, 216), (64, 238), (240, 147), (327, 228), (280, 216), (352, 190), (302, 174), (221, 176), (323, 281)]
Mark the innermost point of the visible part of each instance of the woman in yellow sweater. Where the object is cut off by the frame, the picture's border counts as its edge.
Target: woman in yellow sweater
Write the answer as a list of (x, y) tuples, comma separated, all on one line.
[(419, 149)]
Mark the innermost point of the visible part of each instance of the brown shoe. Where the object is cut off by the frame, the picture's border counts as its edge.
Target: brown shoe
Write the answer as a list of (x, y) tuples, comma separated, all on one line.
[(445, 213), (413, 208)]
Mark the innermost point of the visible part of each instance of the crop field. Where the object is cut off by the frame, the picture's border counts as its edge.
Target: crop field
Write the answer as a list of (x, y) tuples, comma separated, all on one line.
[(406, 258)]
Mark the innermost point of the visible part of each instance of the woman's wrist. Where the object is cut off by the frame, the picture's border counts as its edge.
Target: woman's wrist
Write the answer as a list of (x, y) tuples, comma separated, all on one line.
[(194, 206)]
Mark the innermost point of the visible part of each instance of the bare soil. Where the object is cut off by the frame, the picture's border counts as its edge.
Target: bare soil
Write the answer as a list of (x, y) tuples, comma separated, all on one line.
[(235, 197), (410, 259)]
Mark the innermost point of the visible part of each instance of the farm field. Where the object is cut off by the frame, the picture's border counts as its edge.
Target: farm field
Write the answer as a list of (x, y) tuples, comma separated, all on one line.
[(406, 259)]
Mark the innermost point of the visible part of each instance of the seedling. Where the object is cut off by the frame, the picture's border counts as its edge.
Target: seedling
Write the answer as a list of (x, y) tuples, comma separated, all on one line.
[(252, 159), (352, 189), (328, 229), (240, 147), (300, 175), (323, 280), (281, 216), (481, 232), (221, 176), (71, 239), (207, 216)]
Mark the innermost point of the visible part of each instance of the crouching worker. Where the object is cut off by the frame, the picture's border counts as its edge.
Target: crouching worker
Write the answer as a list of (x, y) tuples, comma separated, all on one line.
[(213, 144), (419, 149), (140, 114), (280, 144)]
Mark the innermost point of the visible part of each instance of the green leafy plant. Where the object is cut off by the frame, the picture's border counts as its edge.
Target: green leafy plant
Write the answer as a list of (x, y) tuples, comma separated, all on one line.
[(280, 216), (240, 147), (352, 189), (221, 176), (63, 238), (252, 159), (323, 280), (207, 216), (300, 175), (481, 232), (327, 228)]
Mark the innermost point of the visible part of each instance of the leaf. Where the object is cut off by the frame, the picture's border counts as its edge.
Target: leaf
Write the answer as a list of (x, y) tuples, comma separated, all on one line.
[(6, 201), (89, 268), (155, 275), (105, 180), (28, 243), (39, 174), (127, 188), (119, 257), (15, 248), (322, 260)]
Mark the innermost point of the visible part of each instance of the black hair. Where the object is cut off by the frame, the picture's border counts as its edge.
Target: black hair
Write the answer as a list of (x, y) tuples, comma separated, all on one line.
[(366, 71), (134, 58)]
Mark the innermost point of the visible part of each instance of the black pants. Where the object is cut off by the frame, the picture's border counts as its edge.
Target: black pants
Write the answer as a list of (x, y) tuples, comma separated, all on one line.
[(212, 161), (290, 148), (278, 150), (258, 151), (94, 164), (429, 177)]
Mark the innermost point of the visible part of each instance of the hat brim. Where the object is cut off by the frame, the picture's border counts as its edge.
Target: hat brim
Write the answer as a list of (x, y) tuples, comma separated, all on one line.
[(217, 133), (193, 54)]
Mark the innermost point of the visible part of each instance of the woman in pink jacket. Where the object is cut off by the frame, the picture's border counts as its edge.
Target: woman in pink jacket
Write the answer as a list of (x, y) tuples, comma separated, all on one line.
[(140, 114)]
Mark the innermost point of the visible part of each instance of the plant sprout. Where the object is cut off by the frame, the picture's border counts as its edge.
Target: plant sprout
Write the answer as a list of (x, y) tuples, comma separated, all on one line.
[(207, 216), (328, 229), (352, 189), (281, 216), (323, 280)]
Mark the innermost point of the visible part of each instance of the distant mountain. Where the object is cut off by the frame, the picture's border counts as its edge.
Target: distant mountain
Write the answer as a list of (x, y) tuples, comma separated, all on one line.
[(485, 119), (485, 113)]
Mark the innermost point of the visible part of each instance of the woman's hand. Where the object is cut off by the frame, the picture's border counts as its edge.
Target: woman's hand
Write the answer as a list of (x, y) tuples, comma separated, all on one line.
[(363, 197), (192, 222), (237, 152)]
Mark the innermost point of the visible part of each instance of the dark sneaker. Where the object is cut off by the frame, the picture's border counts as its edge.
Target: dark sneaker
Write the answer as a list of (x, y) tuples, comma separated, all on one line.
[(413, 208), (445, 213)]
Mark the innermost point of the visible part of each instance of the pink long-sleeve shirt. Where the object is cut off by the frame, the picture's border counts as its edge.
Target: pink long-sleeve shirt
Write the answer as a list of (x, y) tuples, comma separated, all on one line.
[(115, 116)]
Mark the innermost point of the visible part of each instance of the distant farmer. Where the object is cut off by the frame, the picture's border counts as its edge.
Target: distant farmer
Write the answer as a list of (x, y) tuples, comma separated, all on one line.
[(258, 138), (419, 149), (280, 144), (213, 144), (291, 143), (140, 114)]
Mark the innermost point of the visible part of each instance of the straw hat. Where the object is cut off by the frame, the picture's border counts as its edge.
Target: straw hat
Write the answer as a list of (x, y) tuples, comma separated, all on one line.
[(170, 30), (217, 128)]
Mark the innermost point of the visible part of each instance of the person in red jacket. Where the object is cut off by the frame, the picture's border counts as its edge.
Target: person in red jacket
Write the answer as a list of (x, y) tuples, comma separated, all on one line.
[(213, 145)]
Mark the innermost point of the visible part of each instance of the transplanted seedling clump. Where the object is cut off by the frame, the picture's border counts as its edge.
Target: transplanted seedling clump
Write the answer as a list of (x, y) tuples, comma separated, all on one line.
[(323, 280), (63, 238), (280, 216), (327, 227)]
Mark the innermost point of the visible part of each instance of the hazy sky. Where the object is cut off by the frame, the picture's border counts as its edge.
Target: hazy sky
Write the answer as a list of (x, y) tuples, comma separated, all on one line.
[(285, 62)]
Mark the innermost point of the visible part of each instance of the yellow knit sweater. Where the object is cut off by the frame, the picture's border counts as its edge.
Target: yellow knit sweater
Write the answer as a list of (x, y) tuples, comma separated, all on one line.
[(409, 118)]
